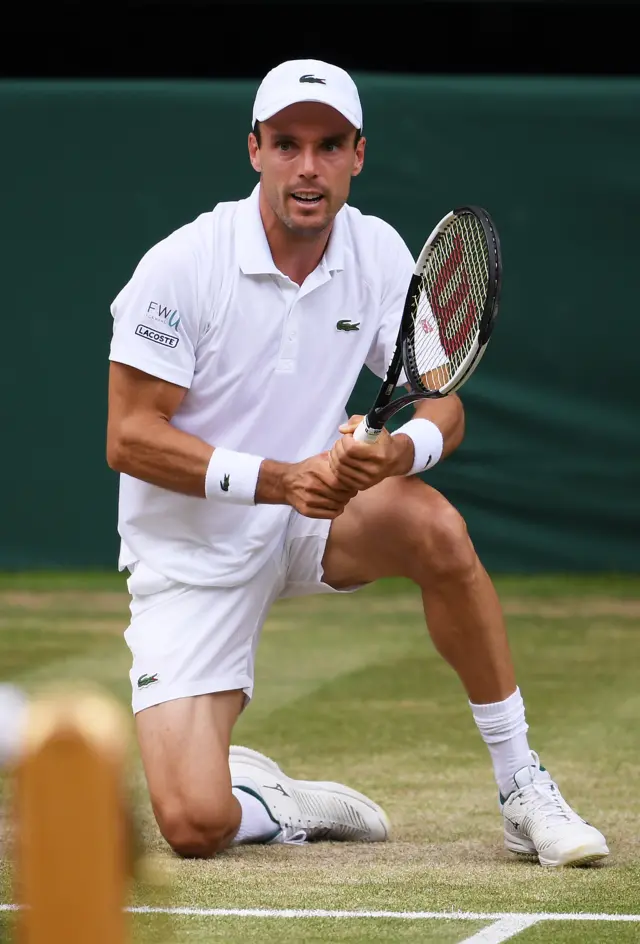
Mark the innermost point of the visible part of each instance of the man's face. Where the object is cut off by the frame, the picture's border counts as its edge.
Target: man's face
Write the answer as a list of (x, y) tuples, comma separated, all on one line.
[(307, 159)]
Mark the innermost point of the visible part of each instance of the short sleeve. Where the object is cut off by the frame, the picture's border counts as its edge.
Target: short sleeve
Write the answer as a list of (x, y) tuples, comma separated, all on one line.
[(397, 265), (156, 317)]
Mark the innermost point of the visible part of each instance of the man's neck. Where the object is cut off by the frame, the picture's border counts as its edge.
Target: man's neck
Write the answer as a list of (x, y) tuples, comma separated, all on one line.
[(295, 256)]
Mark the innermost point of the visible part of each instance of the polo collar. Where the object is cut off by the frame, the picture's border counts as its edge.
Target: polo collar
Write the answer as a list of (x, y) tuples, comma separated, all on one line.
[(252, 248)]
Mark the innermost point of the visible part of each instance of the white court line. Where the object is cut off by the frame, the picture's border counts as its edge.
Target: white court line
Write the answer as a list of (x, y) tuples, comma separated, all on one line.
[(409, 915), (502, 930)]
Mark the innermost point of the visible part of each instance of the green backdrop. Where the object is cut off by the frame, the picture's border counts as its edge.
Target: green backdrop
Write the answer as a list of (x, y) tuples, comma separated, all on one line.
[(93, 173)]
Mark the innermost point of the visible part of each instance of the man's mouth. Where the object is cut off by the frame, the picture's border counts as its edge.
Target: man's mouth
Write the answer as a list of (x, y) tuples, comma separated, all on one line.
[(306, 197)]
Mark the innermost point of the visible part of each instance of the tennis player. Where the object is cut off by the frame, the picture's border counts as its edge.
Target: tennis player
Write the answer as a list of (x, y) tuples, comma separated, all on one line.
[(236, 344)]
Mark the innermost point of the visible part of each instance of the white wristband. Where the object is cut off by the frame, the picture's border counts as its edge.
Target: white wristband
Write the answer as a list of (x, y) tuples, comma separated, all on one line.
[(428, 443), (232, 477)]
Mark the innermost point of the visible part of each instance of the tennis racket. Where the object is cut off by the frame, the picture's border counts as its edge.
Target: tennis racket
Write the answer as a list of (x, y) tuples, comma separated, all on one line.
[(448, 317)]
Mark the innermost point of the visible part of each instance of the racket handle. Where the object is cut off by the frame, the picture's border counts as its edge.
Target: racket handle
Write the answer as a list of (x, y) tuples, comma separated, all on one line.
[(365, 433)]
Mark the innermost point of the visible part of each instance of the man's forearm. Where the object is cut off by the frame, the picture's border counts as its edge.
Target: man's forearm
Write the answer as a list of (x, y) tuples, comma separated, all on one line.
[(156, 452), (448, 415), (270, 489)]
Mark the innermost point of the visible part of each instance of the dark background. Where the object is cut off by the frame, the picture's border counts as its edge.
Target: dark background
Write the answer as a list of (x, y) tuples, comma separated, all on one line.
[(120, 122), (198, 39)]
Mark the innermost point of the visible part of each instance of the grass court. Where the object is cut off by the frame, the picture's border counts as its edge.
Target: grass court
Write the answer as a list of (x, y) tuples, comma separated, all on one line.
[(350, 689)]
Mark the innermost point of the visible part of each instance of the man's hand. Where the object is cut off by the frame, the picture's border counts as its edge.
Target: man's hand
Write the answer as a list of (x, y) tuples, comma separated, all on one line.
[(361, 465), (313, 490)]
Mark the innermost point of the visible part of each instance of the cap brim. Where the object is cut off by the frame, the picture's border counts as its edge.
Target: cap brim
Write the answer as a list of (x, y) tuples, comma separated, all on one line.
[(271, 110)]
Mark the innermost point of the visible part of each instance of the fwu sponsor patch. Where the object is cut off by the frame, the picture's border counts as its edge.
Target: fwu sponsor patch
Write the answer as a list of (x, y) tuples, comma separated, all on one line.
[(151, 334), (167, 316)]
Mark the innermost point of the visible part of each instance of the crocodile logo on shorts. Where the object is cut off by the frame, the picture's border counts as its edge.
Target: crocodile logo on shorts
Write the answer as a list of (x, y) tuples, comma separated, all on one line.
[(224, 484), (145, 680)]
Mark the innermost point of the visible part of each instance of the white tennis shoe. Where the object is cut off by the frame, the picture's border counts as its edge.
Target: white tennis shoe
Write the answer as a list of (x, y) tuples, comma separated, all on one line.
[(308, 810), (539, 822)]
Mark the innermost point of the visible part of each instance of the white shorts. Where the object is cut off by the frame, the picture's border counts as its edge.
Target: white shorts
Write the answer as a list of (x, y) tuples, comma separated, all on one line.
[(187, 640)]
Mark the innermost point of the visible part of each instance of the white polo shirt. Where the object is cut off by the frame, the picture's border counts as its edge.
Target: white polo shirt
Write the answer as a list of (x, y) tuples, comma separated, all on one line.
[(269, 367)]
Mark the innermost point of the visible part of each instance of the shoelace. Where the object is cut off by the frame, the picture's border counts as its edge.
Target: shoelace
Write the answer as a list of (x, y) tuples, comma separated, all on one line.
[(551, 802)]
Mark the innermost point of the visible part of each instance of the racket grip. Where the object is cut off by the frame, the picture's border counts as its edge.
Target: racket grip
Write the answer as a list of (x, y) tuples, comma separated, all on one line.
[(365, 433)]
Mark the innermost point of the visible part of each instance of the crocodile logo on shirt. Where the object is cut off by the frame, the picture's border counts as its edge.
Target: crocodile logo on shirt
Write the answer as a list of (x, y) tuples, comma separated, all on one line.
[(345, 325), (224, 484)]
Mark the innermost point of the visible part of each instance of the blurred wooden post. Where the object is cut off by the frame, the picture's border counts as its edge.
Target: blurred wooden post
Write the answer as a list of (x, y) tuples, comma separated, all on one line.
[(72, 847)]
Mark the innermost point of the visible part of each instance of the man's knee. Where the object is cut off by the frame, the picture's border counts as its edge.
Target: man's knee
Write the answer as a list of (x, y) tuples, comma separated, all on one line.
[(439, 536), (196, 829)]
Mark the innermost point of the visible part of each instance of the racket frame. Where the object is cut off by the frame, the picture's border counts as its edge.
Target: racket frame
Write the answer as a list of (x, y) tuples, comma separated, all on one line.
[(384, 406)]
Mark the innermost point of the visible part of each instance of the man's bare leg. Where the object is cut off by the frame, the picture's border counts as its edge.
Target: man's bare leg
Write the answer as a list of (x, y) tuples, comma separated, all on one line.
[(184, 745), (401, 527)]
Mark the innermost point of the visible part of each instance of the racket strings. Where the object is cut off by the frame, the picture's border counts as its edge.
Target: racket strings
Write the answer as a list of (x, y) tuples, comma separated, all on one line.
[(449, 304)]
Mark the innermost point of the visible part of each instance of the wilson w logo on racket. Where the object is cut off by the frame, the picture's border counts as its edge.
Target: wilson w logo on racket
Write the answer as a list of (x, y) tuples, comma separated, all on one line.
[(449, 313), (452, 302)]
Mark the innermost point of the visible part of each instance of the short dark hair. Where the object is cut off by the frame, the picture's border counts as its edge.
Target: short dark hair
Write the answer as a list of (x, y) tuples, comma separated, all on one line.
[(256, 131)]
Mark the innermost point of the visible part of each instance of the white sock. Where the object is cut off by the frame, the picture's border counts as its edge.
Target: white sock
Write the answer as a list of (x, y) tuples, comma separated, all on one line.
[(504, 731), (256, 824)]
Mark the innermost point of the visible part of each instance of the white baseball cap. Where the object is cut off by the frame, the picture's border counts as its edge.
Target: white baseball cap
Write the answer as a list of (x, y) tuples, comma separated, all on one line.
[(307, 80)]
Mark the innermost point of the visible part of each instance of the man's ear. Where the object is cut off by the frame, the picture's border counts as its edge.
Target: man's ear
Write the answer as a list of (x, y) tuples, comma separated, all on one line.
[(358, 157), (254, 152)]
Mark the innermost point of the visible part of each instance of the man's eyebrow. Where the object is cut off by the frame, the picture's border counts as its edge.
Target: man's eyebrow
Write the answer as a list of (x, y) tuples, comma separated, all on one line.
[(328, 139), (335, 139)]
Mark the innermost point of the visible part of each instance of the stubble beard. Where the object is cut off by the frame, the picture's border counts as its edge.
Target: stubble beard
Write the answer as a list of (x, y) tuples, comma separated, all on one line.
[(306, 231)]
